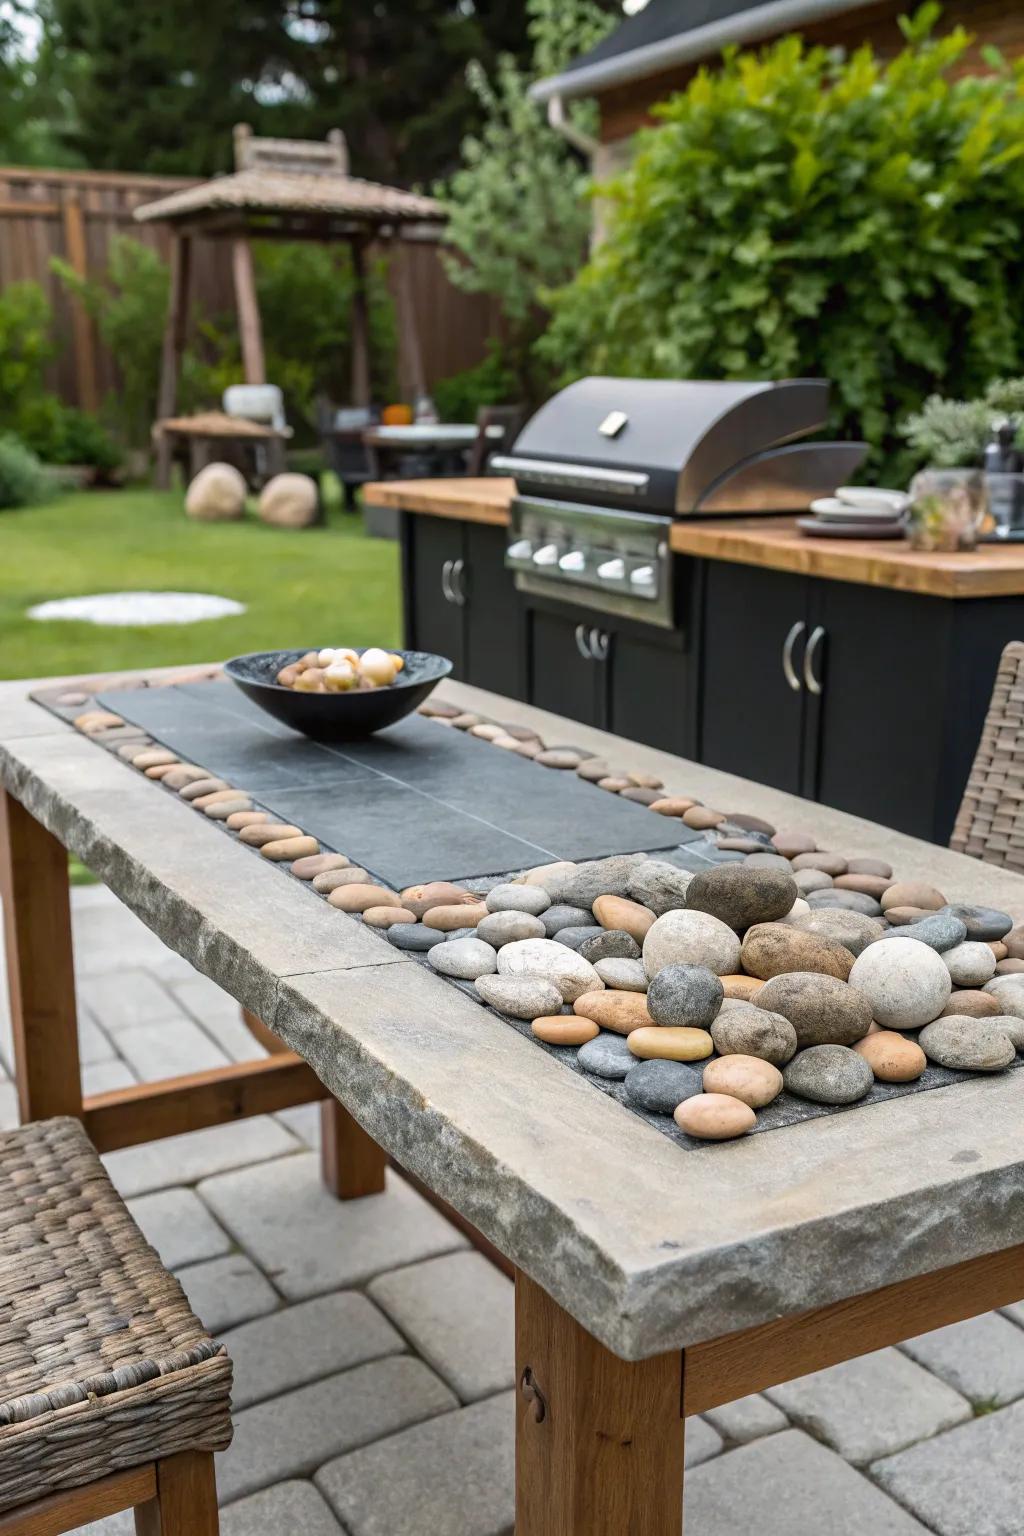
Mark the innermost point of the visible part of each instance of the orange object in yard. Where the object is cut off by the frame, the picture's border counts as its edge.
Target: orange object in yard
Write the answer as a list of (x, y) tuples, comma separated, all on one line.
[(396, 416)]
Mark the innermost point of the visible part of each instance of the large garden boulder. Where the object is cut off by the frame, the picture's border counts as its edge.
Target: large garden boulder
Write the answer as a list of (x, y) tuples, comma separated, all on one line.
[(216, 495), (290, 501)]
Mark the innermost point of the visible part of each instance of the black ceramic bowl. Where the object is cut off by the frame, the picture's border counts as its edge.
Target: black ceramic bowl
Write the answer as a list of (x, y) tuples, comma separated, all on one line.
[(336, 716)]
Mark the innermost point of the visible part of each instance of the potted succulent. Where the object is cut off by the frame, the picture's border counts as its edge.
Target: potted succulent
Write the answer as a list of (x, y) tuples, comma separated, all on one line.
[(971, 480)]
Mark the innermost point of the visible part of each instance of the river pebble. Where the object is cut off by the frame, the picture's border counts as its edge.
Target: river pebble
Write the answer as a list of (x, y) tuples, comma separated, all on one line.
[(983, 923), (891, 1056), (750, 1079), (464, 958), (714, 1117), (970, 964), (553, 962), (533, 899), (741, 894), (691, 938), (685, 995), (414, 937), (524, 997), (828, 1074), (670, 1044), (564, 1029), (906, 983), (622, 975), (612, 944), (770, 949), (659, 886), (745, 1030), (940, 931), (958, 1041), (556, 918), (852, 930), (608, 1056), (621, 1012), (822, 1009), (659, 1086), (508, 925)]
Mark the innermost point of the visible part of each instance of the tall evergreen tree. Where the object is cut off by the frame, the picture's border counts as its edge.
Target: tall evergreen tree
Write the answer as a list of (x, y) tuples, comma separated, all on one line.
[(163, 85)]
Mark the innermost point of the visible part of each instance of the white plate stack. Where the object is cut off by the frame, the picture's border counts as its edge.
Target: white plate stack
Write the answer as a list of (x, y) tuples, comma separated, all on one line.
[(858, 512)]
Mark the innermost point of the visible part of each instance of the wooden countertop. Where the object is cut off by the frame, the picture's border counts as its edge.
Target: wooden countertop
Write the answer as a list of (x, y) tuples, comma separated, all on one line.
[(772, 542)]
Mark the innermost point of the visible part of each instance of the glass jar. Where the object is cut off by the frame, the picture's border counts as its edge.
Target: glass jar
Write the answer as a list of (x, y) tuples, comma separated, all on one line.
[(947, 509)]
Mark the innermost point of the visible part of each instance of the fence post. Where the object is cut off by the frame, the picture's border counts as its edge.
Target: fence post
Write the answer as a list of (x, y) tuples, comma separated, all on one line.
[(81, 323)]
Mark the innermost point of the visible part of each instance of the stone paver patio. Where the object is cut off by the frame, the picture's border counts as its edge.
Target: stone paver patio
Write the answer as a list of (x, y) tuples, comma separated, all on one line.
[(373, 1346)]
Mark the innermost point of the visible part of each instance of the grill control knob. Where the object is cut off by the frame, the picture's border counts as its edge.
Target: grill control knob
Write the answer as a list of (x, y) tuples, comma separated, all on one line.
[(612, 570), (546, 555), (643, 577), (574, 562), (522, 549)]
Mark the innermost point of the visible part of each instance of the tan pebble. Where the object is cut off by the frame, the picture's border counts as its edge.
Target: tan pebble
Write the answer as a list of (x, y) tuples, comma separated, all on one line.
[(332, 878), (867, 885), (447, 918), (384, 917), (670, 1042), (771, 949), (976, 1004), (289, 848), (463, 722), (640, 796), (564, 1029), (870, 867), (180, 774), (527, 748), (94, 720), (673, 805), (646, 781), (998, 948), (216, 796), (486, 732), (159, 771), (913, 893), (319, 864), (239, 819), (225, 808), (615, 912), (1009, 967), (509, 743), (613, 784), (791, 842), (701, 818), (360, 898), (714, 1117), (560, 870), (898, 916), (1014, 941), (200, 787), (621, 1012), (436, 893), (594, 769), (740, 986), (131, 749), (155, 757), (260, 832), (891, 1056), (747, 1078)]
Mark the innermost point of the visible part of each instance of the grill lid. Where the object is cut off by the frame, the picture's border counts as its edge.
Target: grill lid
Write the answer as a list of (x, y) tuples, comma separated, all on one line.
[(660, 444)]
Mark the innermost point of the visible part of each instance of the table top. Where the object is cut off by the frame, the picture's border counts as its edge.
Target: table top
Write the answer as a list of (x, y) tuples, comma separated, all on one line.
[(649, 1247), (219, 424), (774, 543)]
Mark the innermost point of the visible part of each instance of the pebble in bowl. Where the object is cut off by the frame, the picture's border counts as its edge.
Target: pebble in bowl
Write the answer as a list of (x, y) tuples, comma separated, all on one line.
[(357, 701)]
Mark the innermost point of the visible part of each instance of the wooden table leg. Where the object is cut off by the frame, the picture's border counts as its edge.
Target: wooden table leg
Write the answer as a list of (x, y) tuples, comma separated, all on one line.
[(351, 1162), (40, 966), (599, 1440), (186, 1498)]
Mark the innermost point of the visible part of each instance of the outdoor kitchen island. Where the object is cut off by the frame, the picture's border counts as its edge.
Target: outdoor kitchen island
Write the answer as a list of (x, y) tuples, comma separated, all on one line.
[(852, 672), (653, 1280)]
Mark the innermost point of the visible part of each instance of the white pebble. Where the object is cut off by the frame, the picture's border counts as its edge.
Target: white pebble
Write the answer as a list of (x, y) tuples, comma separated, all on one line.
[(970, 964)]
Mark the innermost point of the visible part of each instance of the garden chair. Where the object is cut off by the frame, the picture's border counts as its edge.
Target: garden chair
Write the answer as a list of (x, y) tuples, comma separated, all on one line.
[(263, 404), (341, 433), (990, 822), (112, 1395), (510, 418)]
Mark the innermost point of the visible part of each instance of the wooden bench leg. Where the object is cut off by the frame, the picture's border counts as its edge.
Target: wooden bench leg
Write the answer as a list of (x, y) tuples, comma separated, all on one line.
[(599, 1440), (186, 1498), (40, 965), (351, 1163)]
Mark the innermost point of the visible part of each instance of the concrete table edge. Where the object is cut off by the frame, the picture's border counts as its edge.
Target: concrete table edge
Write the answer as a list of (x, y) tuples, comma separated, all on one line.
[(649, 1247)]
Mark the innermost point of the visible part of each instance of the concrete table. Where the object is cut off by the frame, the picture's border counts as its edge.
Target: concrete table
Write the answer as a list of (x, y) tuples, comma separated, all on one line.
[(651, 1282)]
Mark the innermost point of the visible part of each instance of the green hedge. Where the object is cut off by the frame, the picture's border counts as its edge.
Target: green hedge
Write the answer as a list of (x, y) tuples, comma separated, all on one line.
[(798, 212)]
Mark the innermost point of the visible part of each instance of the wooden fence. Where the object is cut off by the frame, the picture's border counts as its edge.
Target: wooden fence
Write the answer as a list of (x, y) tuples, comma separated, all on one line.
[(75, 214)]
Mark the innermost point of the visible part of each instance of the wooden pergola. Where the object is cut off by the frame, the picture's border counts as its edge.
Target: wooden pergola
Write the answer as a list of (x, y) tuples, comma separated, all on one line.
[(288, 189)]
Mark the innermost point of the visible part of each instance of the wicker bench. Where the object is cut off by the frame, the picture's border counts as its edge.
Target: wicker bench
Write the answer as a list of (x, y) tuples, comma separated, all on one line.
[(990, 821), (112, 1395)]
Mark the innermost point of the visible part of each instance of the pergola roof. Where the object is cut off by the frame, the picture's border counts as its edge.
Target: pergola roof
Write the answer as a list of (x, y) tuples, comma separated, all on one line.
[(269, 191)]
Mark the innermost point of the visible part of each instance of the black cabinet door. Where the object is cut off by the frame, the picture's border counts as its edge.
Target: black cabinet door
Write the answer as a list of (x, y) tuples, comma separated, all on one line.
[(434, 617), (751, 718), (877, 731), (563, 676), (650, 694), (495, 655)]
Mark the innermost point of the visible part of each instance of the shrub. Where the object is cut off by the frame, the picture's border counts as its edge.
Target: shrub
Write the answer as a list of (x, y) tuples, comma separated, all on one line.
[(129, 305), (490, 382), (801, 212), (953, 434), (23, 480), (62, 434), (25, 346)]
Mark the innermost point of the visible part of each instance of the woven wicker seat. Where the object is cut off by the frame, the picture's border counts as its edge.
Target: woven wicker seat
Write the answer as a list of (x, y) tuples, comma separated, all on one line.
[(990, 822), (103, 1366)]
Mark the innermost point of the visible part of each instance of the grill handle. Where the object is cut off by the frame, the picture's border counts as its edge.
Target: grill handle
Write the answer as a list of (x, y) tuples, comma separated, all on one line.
[(582, 644), (813, 683)]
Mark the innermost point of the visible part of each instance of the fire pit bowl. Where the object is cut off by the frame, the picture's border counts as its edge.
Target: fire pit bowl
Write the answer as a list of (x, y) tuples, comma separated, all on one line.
[(336, 716)]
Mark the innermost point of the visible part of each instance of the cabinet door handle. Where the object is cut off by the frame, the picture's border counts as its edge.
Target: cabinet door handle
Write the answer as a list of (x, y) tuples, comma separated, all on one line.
[(813, 683), (787, 654), (458, 571), (446, 581), (582, 644), (599, 642)]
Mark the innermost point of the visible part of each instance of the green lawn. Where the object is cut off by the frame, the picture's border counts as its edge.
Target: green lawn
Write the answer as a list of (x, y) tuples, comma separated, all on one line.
[(323, 586)]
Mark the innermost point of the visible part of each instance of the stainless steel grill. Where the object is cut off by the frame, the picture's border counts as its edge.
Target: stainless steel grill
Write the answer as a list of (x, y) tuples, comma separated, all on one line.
[(606, 465)]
